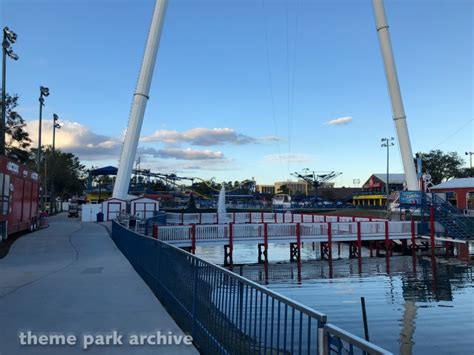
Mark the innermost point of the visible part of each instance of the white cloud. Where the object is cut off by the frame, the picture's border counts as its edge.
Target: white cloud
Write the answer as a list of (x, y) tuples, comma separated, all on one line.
[(76, 138), (295, 158), (200, 136), (182, 154), (339, 121)]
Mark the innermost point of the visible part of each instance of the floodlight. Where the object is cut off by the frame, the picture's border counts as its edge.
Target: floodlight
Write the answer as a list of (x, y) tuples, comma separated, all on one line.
[(44, 91), (12, 55), (11, 36)]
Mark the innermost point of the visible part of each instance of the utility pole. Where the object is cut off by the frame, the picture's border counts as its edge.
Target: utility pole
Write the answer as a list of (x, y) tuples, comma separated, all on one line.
[(388, 142)]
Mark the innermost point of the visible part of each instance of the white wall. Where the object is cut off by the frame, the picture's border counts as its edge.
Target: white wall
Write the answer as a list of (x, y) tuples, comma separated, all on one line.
[(89, 212)]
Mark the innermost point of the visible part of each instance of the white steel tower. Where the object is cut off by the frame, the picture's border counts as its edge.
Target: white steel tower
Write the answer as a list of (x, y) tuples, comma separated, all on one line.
[(395, 96), (140, 98)]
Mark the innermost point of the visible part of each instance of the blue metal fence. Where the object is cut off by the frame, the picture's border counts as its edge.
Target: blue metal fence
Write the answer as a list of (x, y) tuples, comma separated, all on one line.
[(226, 313)]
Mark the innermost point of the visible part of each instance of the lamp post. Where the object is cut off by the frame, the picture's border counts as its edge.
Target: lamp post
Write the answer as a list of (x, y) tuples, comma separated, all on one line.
[(387, 143), (470, 158), (9, 37), (44, 91), (56, 125)]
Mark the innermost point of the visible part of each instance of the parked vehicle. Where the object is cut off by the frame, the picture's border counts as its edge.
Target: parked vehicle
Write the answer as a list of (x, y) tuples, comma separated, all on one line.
[(73, 210), (19, 198)]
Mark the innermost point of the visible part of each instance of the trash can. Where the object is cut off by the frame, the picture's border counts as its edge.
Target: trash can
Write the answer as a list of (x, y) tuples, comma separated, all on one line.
[(100, 217)]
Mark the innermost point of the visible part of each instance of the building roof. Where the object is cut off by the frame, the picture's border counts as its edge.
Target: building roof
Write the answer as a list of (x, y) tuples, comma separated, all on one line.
[(460, 183), (393, 178)]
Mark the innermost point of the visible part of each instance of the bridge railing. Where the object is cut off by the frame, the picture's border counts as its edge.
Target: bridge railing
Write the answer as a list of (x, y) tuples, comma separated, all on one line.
[(275, 232), (226, 313), (174, 218)]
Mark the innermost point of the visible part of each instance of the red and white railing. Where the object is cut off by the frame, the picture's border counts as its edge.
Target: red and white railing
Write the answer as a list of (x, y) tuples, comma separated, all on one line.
[(231, 233), (173, 218)]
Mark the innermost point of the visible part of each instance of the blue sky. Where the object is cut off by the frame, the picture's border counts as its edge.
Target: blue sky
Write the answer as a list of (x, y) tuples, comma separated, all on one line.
[(260, 78)]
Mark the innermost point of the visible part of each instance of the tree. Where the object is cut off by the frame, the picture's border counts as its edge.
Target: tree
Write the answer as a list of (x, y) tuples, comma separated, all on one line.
[(191, 204), (17, 140), (465, 173), (64, 171), (284, 190), (442, 166)]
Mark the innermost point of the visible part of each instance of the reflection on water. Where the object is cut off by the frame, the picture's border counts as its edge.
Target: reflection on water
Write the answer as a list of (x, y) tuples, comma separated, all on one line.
[(414, 305)]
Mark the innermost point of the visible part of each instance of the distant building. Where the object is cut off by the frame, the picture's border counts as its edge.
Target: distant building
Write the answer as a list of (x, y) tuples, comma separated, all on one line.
[(294, 187), (460, 192), (266, 189), (374, 190)]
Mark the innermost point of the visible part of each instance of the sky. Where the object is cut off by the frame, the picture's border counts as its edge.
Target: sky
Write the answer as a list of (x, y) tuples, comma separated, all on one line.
[(246, 88)]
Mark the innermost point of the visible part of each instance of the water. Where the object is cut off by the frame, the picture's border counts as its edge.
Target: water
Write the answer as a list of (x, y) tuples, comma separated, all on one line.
[(413, 305)]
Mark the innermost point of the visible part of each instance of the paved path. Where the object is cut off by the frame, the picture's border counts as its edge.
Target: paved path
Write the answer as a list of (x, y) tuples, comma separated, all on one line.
[(71, 279)]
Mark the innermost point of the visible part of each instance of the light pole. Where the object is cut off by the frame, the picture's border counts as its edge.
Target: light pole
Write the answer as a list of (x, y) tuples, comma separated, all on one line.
[(470, 158), (9, 37), (388, 142), (56, 125), (44, 91)]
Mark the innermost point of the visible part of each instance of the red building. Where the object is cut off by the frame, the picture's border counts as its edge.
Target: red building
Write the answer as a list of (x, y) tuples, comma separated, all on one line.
[(460, 192)]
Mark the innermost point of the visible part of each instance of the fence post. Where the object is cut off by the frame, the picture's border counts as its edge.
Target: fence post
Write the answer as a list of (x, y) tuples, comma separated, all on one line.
[(261, 216), (387, 240), (193, 238), (292, 217), (155, 231), (182, 218), (265, 240), (298, 240), (275, 216), (200, 218), (250, 217), (231, 241), (330, 240), (233, 217), (432, 230), (359, 239)]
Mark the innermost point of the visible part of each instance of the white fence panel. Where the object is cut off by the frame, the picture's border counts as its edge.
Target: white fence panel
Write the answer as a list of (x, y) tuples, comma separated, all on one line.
[(247, 231), (372, 228), (174, 233)]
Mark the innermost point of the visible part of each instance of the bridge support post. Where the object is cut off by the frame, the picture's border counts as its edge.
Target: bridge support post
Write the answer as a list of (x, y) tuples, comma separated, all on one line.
[(295, 248), (227, 255), (229, 248), (263, 248), (262, 253), (155, 231), (294, 252), (388, 242)]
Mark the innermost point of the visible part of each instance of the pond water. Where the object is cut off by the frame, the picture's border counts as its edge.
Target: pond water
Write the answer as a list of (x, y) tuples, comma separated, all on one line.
[(415, 305)]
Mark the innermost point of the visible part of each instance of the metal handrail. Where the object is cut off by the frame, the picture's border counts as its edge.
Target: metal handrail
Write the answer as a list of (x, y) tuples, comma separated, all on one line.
[(301, 307), (354, 340), (214, 304)]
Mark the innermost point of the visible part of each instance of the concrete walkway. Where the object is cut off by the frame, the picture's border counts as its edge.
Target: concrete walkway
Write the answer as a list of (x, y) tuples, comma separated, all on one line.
[(71, 279)]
